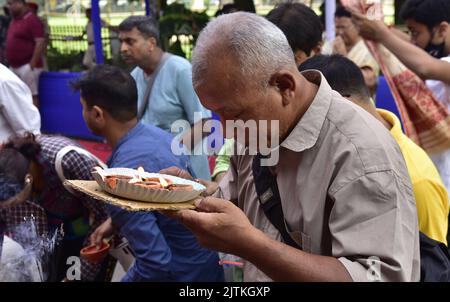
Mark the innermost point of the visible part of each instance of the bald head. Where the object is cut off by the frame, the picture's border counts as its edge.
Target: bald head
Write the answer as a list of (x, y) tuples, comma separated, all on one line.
[(254, 48)]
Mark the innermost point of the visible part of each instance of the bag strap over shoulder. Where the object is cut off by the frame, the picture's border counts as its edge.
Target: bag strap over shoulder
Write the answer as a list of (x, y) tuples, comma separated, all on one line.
[(151, 81), (269, 199)]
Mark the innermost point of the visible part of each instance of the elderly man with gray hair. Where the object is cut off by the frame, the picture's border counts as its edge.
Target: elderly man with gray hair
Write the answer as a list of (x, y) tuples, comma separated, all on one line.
[(340, 195)]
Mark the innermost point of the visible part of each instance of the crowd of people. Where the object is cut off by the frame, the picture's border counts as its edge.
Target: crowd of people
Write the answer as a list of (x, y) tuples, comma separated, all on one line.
[(350, 198)]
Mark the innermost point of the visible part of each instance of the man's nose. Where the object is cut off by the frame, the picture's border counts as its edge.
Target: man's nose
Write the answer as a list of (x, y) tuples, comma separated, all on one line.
[(123, 47)]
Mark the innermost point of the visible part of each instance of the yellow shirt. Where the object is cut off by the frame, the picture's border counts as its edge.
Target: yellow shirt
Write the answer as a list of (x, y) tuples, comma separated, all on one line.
[(429, 191)]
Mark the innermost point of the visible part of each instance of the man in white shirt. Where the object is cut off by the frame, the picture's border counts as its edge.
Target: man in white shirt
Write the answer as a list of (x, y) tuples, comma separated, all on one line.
[(350, 44), (17, 112), (89, 55)]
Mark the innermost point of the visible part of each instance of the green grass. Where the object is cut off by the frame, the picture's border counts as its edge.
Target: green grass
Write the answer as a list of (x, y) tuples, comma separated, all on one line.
[(58, 20), (116, 18)]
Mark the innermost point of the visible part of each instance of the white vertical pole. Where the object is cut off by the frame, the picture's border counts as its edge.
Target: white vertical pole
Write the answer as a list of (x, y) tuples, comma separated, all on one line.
[(330, 9)]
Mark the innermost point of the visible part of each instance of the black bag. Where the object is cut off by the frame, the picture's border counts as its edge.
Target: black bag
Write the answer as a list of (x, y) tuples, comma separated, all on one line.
[(434, 260)]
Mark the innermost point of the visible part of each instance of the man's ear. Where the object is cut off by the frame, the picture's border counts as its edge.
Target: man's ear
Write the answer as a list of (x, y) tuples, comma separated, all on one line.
[(152, 43), (443, 28), (98, 114), (300, 56), (316, 50), (284, 83)]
